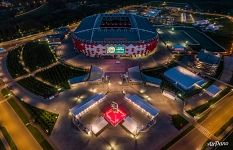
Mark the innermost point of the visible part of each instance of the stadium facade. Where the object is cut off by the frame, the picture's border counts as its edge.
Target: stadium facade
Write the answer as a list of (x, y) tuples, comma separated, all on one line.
[(115, 35)]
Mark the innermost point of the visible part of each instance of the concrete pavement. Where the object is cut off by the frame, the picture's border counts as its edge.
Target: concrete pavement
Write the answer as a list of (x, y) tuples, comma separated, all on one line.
[(18, 131)]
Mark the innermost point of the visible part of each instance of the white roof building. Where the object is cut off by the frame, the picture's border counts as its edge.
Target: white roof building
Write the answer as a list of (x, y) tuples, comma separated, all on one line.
[(98, 125), (183, 78), (131, 125), (142, 104), (80, 109)]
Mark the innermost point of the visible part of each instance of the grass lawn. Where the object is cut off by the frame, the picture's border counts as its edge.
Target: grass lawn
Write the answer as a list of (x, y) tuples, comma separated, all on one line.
[(17, 109), (35, 132), (2, 147), (46, 120), (178, 121), (60, 74), (5, 92), (37, 87), (37, 54), (40, 139), (14, 67), (8, 138)]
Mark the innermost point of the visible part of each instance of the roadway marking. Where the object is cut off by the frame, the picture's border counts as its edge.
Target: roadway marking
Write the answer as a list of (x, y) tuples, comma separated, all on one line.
[(204, 131)]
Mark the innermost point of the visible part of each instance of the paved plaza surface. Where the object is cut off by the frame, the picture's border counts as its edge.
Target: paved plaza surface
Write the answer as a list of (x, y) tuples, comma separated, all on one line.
[(66, 136)]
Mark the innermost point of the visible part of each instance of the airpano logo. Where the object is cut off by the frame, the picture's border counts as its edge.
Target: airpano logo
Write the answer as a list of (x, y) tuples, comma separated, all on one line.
[(217, 143)]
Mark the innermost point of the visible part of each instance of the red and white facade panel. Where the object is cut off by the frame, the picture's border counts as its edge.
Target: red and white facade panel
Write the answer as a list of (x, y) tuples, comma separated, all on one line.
[(131, 50)]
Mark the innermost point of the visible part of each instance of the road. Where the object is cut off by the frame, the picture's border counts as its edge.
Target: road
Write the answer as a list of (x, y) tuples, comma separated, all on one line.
[(16, 42), (18, 131), (216, 119)]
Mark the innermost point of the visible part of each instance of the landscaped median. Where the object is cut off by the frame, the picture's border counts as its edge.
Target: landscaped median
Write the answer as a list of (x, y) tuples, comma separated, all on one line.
[(60, 74), (178, 121), (37, 87), (8, 138), (13, 64), (200, 109), (2, 147), (44, 119), (37, 54)]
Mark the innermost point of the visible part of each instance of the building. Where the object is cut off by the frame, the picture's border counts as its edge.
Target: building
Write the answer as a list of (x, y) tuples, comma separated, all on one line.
[(54, 38), (183, 79), (151, 81), (152, 13), (207, 62), (62, 30), (134, 75), (201, 22), (177, 48), (78, 80), (98, 125), (80, 109), (145, 107), (213, 90), (2, 50), (115, 35), (131, 125), (5, 3)]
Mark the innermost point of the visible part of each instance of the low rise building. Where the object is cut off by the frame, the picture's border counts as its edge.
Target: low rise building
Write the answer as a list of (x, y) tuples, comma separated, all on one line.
[(183, 79), (207, 62)]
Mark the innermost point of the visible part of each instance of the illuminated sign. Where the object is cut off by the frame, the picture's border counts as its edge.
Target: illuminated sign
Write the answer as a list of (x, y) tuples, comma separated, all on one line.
[(111, 50), (118, 49)]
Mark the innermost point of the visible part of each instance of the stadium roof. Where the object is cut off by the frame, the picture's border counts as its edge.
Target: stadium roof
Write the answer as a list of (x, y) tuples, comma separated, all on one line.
[(142, 104), (138, 28), (208, 57), (184, 78)]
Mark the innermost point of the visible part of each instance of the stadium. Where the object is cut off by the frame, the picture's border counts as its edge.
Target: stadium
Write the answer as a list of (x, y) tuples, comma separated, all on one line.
[(115, 35)]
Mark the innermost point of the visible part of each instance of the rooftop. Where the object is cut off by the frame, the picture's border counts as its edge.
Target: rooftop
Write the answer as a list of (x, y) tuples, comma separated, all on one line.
[(143, 104), (109, 27), (213, 90), (183, 77), (76, 110), (208, 57)]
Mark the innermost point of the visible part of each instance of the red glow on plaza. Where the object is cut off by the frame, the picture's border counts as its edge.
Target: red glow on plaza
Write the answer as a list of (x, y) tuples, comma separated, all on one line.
[(114, 117)]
